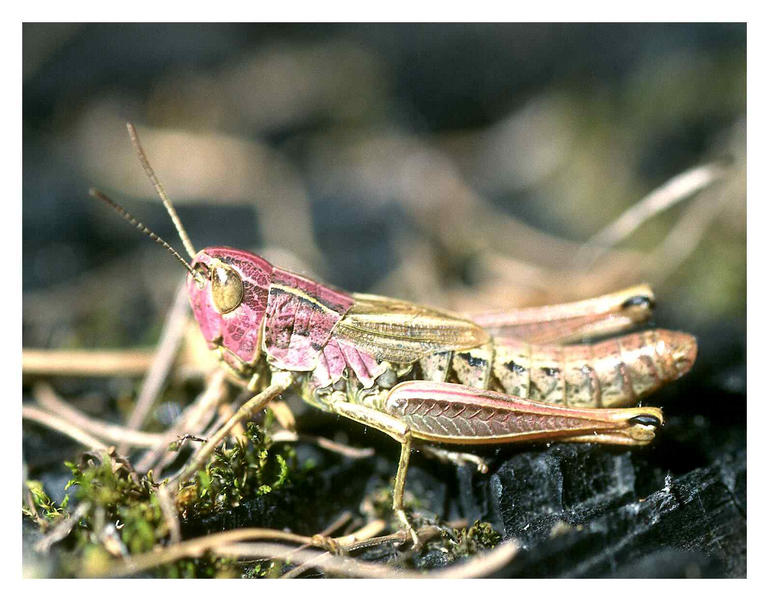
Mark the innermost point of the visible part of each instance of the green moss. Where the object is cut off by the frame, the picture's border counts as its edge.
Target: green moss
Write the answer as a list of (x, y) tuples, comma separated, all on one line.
[(480, 537), (51, 512), (264, 570), (124, 513), (117, 495), (379, 503), (248, 468)]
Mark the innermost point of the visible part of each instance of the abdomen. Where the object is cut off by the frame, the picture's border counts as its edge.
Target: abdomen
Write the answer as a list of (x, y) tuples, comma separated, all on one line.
[(613, 373)]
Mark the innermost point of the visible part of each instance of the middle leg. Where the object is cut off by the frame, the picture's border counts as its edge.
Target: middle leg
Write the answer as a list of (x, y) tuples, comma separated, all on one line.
[(399, 431)]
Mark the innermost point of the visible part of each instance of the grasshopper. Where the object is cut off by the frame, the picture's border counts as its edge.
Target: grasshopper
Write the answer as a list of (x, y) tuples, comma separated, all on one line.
[(424, 375)]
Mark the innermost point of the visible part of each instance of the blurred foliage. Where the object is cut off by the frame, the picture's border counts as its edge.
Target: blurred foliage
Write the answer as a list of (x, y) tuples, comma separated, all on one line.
[(411, 160)]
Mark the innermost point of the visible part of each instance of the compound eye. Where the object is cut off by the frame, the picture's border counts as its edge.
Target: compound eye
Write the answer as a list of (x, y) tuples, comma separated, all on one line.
[(226, 289)]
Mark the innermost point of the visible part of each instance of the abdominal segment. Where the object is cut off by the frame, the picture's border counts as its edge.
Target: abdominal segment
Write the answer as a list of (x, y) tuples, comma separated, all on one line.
[(613, 373)]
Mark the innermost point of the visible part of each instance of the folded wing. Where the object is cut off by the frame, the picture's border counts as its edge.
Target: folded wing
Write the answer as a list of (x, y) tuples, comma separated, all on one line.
[(401, 332)]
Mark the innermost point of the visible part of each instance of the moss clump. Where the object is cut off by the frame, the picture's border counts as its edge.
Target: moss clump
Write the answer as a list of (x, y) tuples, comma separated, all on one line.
[(378, 503), (121, 515), (251, 467), (481, 536), (264, 570), (118, 495), (40, 501)]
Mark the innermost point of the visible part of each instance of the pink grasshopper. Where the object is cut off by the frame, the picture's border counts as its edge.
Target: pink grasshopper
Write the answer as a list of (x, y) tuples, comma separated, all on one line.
[(425, 375)]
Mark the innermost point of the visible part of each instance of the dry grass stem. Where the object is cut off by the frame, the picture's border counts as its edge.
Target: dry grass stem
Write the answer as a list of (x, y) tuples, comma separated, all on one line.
[(214, 425), (343, 449), (169, 512), (50, 421), (32, 508), (455, 458), (191, 421), (675, 190), (482, 565), (226, 411), (344, 566), (366, 532), (48, 399), (231, 543), (337, 524), (331, 564), (170, 340), (283, 414), (357, 542), (197, 547), (248, 409), (85, 363), (342, 520), (686, 235), (62, 529)]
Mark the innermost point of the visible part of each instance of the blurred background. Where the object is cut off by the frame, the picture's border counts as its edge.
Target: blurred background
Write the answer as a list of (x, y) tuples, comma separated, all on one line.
[(465, 166)]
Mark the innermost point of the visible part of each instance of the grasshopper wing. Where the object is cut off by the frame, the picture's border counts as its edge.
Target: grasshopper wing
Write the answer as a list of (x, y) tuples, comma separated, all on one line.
[(563, 323), (401, 332)]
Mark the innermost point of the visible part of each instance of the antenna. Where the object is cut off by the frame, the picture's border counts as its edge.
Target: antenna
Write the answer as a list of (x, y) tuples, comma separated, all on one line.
[(160, 190), (143, 228)]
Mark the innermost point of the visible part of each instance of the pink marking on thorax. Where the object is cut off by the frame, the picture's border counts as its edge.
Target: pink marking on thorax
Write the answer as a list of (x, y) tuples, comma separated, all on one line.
[(330, 364), (366, 368), (239, 329), (300, 317), (338, 355)]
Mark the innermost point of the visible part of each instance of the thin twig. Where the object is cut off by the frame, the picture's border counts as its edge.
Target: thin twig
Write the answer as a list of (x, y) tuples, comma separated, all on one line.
[(672, 192), (216, 424), (343, 449), (479, 566), (455, 458), (85, 363), (62, 528), (303, 567), (198, 546), (170, 340), (46, 397), (170, 514), (366, 532), (687, 234), (283, 414), (32, 508), (228, 539), (46, 419), (332, 564), (189, 422), (338, 523), (277, 387), (399, 537), (226, 411), (347, 543), (342, 520)]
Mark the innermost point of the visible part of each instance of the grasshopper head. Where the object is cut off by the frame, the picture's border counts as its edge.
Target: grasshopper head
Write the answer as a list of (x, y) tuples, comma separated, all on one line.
[(228, 291), (227, 288)]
